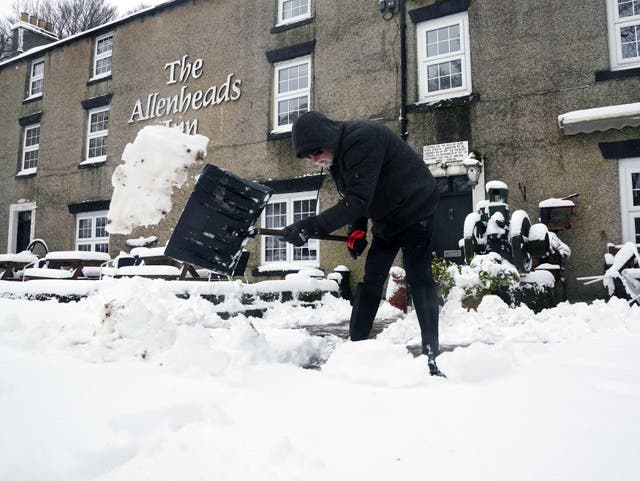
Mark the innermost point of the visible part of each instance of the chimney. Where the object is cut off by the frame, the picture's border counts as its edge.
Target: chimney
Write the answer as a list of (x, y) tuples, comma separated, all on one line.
[(24, 17), (48, 26), (41, 24), (25, 38), (33, 20)]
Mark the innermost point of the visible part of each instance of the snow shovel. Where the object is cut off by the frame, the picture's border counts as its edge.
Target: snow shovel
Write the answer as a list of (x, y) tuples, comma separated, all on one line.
[(219, 219)]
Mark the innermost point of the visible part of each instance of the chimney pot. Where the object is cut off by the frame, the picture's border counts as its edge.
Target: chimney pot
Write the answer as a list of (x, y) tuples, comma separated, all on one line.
[(24, 16), (48, 26), (33, 20), (41, 23)]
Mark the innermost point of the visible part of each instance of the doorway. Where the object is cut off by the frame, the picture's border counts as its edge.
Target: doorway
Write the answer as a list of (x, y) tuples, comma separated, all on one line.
[(21, 226), (448, 223)]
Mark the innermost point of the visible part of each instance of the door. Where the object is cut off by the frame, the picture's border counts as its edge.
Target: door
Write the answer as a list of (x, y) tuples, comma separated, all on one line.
[(455, 204), (23, 234), (629, 170)]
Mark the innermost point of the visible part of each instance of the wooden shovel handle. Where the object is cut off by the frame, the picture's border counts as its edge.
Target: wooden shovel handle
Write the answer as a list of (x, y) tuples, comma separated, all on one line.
[(282, 232)]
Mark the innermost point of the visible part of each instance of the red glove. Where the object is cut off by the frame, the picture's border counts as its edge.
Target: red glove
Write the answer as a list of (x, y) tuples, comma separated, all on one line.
[(357, 242)]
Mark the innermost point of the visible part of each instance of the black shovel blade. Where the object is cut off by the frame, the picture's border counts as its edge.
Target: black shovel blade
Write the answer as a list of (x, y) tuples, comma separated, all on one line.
[(216, 220)]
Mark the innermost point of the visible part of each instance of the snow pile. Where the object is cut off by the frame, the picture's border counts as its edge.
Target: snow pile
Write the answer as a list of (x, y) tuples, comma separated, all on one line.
[(156, 162)]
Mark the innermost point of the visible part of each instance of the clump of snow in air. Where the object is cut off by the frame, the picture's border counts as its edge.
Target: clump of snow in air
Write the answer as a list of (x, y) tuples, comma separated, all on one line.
[(153, 165)]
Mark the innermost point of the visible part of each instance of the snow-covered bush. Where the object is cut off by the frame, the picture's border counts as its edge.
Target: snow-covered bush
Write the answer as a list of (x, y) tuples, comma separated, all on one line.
[(490, 274)]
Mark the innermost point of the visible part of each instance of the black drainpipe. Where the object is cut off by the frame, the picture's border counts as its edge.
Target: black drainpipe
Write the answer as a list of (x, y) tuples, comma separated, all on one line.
[(403, 71)]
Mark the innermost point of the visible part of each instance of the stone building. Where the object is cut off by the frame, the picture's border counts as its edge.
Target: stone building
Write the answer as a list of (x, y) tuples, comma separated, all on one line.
[(490, 76)]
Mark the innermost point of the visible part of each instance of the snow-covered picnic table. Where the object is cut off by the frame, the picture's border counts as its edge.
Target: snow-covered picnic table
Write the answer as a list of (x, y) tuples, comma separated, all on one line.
[(10, 264), (66, 265)]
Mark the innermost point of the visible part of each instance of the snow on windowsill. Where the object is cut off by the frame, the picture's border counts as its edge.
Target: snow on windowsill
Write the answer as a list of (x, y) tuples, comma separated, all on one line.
[(293, 20), (25, 172), (552, 202), (285, 266), (32, 97), (94, 161)]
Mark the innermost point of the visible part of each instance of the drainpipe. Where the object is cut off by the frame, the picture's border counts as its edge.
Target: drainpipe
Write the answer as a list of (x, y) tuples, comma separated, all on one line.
[(403, 70)]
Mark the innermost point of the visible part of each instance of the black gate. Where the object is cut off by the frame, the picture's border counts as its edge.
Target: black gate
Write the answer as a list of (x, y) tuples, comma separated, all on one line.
[(455, 203)]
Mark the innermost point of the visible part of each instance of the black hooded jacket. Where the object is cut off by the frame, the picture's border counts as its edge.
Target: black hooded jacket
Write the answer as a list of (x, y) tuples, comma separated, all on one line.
[(378, 174)]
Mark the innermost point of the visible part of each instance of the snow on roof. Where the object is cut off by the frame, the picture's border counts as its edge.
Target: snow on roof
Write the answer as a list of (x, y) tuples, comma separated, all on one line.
[(91, 31), (34, 28)]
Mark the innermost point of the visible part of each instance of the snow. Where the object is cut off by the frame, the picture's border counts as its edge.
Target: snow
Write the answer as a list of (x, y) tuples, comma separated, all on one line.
[(130, 383), (153, 165), (553, 202), (538, 232), (141, 241), (24, 257), (78, 255), (496, 184)]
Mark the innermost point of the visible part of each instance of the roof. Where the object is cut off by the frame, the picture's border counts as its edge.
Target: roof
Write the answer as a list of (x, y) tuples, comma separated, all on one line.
[(37, 51), (601, 118)]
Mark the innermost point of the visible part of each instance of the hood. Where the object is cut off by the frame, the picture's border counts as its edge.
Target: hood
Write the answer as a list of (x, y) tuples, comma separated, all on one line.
[(313, 130)]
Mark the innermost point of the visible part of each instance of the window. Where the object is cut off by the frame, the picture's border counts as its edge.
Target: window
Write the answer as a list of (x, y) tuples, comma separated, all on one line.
[(30, 149), (37, 78), (292, 85), (444, 62), (97, 134), (290, 11), (91, 232), (629, 170), (102, 56), (624, 33), (282, 210)]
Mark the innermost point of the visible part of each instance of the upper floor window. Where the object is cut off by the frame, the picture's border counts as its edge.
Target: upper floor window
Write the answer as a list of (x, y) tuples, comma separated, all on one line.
[(102, 55), (91, 232), (290, 11), (30, 149), (292, 85), (36, 78), (624, 33), (444, 61), (282, 210), (97, 135)]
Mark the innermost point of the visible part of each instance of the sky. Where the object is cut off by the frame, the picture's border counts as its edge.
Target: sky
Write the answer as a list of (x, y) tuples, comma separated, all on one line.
[(123, 5)]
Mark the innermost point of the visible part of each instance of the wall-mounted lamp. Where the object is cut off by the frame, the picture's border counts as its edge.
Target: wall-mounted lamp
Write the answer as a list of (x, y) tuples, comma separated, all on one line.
[(386, 5), (474, 168)]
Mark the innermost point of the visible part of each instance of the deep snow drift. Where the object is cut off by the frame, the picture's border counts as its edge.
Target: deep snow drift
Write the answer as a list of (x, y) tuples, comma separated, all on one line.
[(132, 383)]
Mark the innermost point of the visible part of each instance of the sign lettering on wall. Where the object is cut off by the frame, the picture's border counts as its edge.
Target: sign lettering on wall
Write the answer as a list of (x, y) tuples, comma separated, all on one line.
[(446, 159), (180, 72)]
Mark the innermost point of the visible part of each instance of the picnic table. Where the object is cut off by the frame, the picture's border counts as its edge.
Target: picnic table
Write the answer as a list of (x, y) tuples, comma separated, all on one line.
[(67, 265), (10, 264)]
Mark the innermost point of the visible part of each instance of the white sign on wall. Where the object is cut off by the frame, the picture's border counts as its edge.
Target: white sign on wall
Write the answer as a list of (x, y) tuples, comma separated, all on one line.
[(446, 159)]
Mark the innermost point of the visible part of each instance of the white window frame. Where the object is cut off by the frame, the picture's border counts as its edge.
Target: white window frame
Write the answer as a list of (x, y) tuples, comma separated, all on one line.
[(277, 97), (93, 240), (464, 54), (33, 78), (100, 56), (93, 135), (31, 148), (14, 210), (629, 212), (297, 18), (290, 198), (615, 23)]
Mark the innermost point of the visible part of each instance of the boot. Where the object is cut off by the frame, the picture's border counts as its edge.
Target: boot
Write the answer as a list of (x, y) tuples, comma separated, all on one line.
[(365, 306), (427, 306)]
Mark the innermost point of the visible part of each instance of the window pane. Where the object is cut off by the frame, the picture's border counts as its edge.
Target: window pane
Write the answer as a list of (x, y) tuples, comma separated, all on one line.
[(36, 87), (293, 78), (84, 229), (84, 247), (102, 247), (276, 215), (303, 209), (38, 69), (99, 121), (97, 147), (30, 159), (275, 250), (630, 41), (628, 8), (103, 65), (635, 188), (294, 8), (290, 110), (305, 253), (104, 45), (101, 227), (32, 137)]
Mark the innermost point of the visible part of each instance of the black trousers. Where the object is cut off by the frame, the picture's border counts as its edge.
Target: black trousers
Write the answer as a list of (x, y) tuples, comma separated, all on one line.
[(415, 243)]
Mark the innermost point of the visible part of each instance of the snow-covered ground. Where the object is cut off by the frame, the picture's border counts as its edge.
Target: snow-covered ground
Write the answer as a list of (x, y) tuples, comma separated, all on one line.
[(130, 384)]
